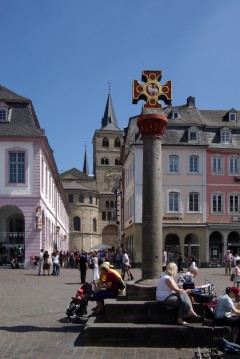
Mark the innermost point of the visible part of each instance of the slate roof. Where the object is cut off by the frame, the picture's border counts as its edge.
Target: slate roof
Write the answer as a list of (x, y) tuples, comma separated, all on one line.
[(75, 185), (76, 174), (23, 121), (208, 122), (109, 120)]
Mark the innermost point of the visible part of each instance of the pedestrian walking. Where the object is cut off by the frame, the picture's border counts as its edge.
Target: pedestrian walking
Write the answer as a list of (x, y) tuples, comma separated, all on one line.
[(40, 262), (228, 259), (83, 265), (126, 266)]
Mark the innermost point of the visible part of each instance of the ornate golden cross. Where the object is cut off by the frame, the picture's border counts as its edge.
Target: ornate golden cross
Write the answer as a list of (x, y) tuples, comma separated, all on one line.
[(152, 91)]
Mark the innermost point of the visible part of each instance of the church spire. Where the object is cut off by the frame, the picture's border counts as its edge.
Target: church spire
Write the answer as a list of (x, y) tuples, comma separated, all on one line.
[(109, 120), (85, 163)]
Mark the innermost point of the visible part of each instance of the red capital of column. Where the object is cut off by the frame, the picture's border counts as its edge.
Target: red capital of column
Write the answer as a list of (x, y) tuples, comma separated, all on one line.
[(152, 124)]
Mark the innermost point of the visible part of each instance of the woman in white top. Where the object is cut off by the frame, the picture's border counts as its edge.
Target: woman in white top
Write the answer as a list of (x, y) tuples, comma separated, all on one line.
[(95, 267), (169, 293)]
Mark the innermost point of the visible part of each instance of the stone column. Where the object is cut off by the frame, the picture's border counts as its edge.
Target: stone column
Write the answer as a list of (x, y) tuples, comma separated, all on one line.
[(152, 211), (152, 127)]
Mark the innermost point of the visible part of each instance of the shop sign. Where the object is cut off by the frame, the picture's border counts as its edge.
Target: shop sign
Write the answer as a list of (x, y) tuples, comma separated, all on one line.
[(175, 218)]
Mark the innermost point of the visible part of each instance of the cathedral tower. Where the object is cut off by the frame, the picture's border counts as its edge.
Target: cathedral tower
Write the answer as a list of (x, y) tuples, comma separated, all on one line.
[(106, 150)]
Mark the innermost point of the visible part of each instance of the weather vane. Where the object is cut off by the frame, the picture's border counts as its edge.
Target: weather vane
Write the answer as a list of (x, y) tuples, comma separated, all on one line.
[(109, 86)]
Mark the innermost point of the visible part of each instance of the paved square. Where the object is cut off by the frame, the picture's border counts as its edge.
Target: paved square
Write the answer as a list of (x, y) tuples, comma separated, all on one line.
[(33, 311)]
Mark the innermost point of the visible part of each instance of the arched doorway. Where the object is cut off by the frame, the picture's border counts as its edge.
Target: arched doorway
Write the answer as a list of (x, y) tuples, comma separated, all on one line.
[(234, 242), (110, 235), (12, 233), (172, 245), (215, 249), (191, 246)]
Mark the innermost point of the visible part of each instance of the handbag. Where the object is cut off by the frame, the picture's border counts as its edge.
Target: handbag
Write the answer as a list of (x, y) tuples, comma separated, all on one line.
[(232, 277)]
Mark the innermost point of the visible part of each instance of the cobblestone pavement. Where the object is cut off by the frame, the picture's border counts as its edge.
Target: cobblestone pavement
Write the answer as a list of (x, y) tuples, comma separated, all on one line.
[(33, 321)]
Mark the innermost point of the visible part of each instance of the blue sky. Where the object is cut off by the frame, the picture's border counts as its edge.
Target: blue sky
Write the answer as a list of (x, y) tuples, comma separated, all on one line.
[(62, 53)]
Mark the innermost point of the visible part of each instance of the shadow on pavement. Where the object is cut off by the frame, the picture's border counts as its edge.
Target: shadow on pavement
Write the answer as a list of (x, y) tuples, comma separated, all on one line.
[(32, 328)]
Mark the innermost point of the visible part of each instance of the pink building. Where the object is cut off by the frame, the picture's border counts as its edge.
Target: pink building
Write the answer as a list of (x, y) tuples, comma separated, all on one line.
[(34, 213), (200, 184)]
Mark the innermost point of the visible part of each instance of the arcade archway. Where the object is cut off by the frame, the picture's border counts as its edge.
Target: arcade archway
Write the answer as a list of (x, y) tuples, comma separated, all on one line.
[(191, 246), (234, 242), (215, 249), (172, 245), (12, 233)]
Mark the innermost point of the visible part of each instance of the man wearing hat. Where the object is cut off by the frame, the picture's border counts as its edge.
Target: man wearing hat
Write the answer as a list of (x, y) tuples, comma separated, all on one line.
[(224, 310), (108, 289), (228, 258)]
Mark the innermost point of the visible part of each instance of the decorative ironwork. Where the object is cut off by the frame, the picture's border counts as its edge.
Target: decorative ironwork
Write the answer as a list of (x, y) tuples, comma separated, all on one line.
[(152, 91)]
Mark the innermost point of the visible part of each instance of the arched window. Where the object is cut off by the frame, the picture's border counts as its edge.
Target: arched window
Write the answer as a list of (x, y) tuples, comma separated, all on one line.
[(81, 198), (117, 162), (70, 198), (90, 200), (94, 225), (111, 204), (103, 216), (117, 142), (76, 224), (109, 216), (107, 204), (105, 142), (104, 161)]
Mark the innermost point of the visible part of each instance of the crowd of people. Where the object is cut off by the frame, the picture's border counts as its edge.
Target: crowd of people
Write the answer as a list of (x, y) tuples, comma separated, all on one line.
[(180, 294), (83, 261)]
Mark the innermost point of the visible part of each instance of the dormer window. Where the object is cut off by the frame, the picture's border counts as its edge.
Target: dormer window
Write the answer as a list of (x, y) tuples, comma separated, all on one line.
[(232, 116), (225, 135), (193, 134), (3, 112), (175, 115)]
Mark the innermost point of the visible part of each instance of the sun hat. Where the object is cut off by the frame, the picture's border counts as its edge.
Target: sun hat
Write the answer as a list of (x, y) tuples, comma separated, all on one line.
[(105, 266), (108, 264)]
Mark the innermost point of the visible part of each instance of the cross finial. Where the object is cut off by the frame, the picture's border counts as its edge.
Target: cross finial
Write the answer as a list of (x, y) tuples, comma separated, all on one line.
[(152, 91), (109, 86)]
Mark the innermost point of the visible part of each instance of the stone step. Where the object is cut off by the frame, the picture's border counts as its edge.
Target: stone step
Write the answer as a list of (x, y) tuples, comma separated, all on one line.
[(145, 312), (99, 333)]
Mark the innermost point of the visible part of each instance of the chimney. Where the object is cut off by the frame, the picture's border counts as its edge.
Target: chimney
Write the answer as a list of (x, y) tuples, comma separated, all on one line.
[(191, 101)]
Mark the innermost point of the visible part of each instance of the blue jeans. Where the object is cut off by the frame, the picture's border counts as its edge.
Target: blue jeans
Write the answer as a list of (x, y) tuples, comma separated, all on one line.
[(55, 269), (103, 294)]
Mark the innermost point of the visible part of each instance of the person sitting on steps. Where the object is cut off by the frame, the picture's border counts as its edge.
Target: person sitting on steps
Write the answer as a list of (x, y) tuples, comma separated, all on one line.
[(168, 292), (110, 287)]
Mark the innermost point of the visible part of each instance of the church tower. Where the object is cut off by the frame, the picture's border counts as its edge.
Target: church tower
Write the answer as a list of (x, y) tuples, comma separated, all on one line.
[(106, 150), (107, 170)]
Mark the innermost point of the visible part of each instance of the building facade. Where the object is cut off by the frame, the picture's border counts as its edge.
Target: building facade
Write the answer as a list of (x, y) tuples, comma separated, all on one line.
[(92, 198), (34, 213), (200, 188)]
